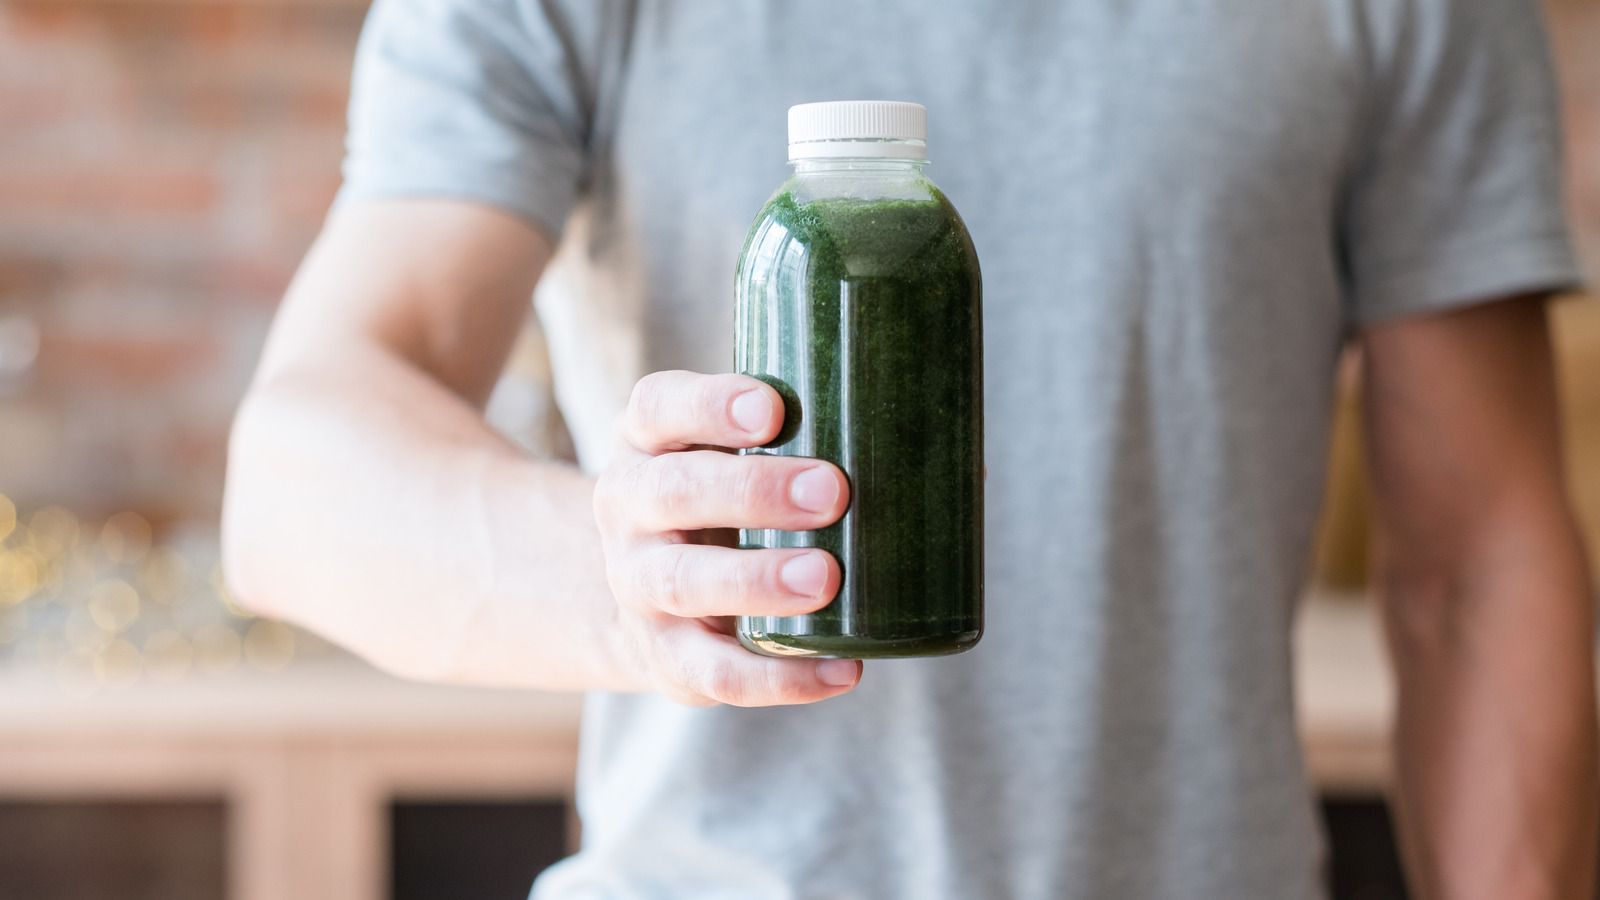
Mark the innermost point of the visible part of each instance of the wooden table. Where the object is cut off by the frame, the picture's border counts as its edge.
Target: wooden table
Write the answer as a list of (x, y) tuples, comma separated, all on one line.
[(1344, 689), (309, 758)]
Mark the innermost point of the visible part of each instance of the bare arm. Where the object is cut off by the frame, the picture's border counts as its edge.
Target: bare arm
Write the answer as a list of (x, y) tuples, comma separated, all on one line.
[(366, 496), (368, 500), (1487, 601)]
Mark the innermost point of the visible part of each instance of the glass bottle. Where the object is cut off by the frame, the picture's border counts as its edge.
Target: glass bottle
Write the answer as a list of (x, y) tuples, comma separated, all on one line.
[(859, 300)]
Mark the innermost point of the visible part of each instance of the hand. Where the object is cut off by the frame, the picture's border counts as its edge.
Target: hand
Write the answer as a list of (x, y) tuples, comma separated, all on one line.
[(657, 506)]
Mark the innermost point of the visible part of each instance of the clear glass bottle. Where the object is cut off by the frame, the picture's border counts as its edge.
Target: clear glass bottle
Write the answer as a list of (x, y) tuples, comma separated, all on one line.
[(859, 300)]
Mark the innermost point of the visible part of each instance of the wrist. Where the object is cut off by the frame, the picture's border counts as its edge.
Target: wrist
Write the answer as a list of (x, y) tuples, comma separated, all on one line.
[(555, 569)]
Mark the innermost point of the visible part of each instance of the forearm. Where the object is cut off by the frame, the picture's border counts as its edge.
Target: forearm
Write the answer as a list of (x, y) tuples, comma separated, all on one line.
[(1495, 742), (370, 504)]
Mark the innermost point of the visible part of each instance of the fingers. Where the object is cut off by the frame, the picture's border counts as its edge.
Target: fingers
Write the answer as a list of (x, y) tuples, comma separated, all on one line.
[(704, 667), (698, 489), (663, 509), (690, 581), (674, 410)]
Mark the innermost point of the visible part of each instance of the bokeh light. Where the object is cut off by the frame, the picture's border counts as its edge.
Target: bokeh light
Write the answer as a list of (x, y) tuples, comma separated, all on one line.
[(20, 575), (114, 604), (125, 537), (105, 603), (163, 576), (52, 531)]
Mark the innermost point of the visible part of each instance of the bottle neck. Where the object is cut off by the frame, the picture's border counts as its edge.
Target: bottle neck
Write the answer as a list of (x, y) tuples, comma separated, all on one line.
[(863, 165)]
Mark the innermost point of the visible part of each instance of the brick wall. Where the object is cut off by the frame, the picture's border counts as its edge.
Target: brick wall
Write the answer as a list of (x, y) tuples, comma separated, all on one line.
[(163, 165)]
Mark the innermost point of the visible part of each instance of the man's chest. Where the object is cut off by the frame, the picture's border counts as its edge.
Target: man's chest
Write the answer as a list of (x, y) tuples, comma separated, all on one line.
[(1113, 161), (1105, 104)]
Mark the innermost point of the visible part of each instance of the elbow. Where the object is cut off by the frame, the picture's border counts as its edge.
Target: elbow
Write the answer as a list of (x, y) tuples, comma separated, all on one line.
[(274, 562), (1421, 604), (1523, 559)]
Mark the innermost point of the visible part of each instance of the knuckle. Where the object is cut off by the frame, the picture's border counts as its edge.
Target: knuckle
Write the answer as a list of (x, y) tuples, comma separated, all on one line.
[(784, 683), (655, 582), (663, 673), (671, 483), (680, 678), (711, 398), (748, 578), (671, 680), (725, 684), (616, 496), (630, 483), (635, 488), (674, 583), (743, 578), (749, 484), (644, 399)]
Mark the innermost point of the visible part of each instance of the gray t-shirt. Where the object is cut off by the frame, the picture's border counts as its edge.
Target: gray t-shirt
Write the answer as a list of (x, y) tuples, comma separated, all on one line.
[(1181, 209)]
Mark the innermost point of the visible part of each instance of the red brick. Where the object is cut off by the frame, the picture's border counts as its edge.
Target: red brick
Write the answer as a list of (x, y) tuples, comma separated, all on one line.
[(216, 26), (25, 21), (28, 274), (125, 190), (110, 362), (162, 168)]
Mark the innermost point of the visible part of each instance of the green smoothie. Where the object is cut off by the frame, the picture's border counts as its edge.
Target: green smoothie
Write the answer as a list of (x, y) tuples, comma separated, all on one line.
[(864, 312)]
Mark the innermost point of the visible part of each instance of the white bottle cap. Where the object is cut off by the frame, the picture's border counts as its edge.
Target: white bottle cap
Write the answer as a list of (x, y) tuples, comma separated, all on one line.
[(858, 128)]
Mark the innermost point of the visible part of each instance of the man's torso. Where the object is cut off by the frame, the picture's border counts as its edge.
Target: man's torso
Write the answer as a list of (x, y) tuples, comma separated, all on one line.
[(1152, 188)]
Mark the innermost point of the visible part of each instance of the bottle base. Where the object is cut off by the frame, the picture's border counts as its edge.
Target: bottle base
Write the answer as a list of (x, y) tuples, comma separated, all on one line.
[(818, 646)]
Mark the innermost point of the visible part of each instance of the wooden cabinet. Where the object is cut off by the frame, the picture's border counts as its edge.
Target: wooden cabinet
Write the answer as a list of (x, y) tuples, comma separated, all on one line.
[(307, 763)]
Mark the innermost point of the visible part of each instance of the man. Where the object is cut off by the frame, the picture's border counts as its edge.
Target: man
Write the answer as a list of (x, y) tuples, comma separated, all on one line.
[(1183, 211)]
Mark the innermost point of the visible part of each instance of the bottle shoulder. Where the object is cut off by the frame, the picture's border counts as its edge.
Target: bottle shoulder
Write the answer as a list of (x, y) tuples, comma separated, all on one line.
[(863, 230), (847, 206), (864, 186)]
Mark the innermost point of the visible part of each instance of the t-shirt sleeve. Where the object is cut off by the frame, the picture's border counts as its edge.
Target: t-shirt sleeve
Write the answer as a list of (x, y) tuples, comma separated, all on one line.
[(1455, 197), (483, 100)]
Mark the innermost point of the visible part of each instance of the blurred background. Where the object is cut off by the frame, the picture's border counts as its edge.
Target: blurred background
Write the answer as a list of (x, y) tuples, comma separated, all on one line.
[(163, 166)]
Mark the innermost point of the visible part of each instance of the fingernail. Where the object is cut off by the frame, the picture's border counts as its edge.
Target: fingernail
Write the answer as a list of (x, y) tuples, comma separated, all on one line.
[(838, 672), (751, 411), (804, 574), (814, 490)]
